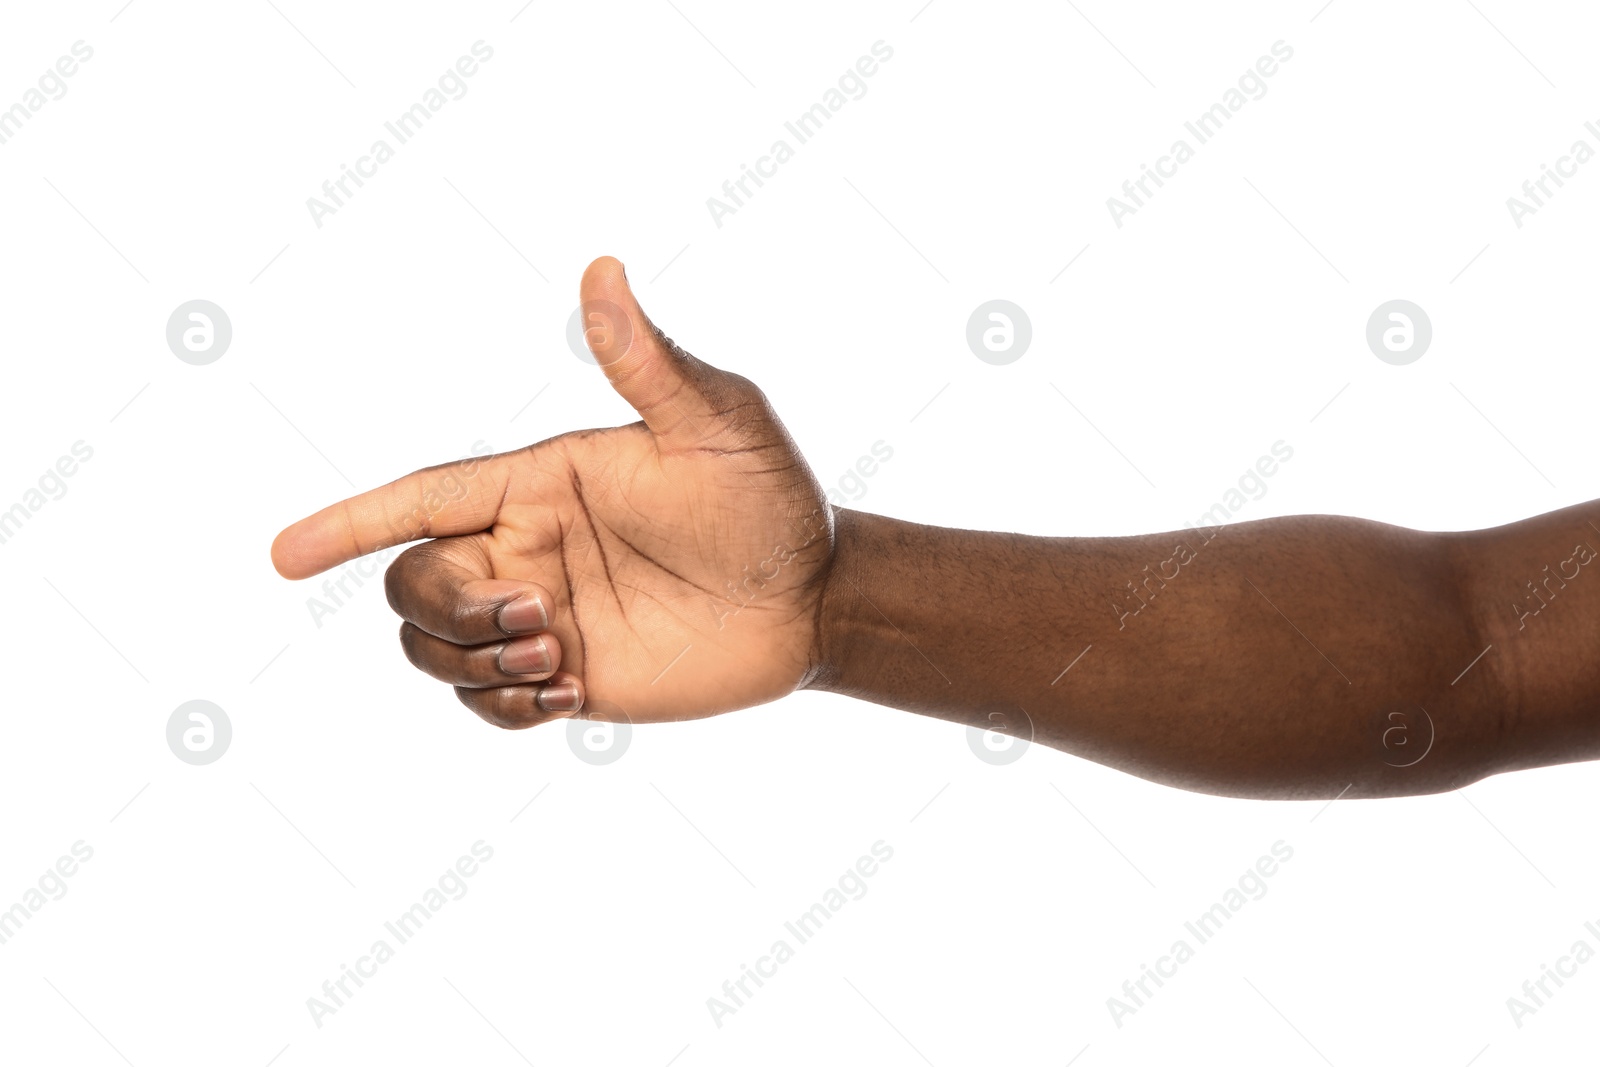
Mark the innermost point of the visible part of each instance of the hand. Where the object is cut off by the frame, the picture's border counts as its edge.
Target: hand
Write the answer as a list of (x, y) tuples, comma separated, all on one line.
[(670, 569)]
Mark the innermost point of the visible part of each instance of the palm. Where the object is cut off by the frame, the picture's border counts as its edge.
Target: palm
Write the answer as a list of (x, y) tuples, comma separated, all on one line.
[(706, 561)]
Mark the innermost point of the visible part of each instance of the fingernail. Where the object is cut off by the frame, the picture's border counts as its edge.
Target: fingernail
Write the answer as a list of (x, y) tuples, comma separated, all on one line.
[(563, 696), (530, 656), (524, 615)]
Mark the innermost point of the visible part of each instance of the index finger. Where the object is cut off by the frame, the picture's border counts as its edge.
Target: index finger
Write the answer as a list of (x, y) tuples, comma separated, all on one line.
[(453, 498)]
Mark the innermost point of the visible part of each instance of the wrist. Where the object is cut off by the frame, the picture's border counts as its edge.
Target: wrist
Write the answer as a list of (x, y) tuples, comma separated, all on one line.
[(833, 621)]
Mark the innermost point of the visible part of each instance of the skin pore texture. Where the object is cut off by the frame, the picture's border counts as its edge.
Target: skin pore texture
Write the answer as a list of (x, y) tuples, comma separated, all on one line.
[(689, 564)]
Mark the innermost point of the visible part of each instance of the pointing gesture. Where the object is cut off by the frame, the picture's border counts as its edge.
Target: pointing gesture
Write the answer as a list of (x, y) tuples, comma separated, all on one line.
[(671, 567)]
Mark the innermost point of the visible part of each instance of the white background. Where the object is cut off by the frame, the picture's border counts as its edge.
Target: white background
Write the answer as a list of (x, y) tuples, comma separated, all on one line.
[(424, 316)]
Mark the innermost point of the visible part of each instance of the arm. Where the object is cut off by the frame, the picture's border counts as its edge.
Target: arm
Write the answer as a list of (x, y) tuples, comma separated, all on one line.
[(1288, 657), (688, 564)]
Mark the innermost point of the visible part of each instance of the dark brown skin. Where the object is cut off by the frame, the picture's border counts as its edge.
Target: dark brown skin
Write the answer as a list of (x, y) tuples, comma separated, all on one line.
[(1289, 658), (688, 565)]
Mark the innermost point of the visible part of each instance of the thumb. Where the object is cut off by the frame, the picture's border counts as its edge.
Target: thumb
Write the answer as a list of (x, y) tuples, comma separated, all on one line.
[(670, 389)]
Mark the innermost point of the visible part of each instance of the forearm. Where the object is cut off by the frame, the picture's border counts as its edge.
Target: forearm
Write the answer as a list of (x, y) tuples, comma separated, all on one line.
[(1291, 657)]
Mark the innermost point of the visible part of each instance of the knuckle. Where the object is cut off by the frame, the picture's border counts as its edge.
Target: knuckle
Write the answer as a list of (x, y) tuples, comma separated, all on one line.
[(736, 382), (470, 698), (409, 643), (742, 404), (464, 619), (491, 706), (399, 580), (393, 580)]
